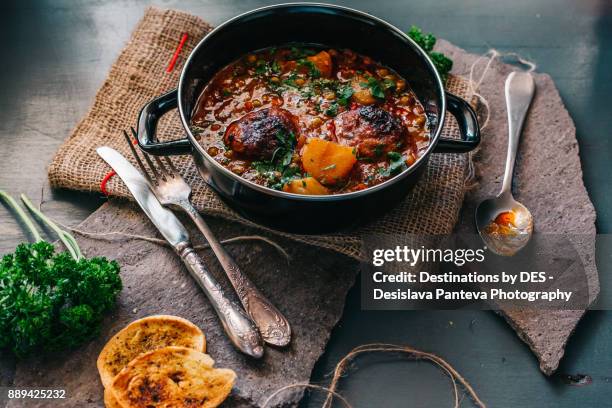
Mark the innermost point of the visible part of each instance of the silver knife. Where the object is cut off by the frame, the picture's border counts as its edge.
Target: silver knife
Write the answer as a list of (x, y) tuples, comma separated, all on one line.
[(239, 327)]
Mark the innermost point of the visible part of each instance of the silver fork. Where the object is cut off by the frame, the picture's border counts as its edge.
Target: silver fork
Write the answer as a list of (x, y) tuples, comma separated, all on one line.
[(172, 190)]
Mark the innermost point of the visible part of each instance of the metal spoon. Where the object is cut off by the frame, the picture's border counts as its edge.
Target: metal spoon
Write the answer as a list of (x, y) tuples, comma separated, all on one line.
[(509, 239)]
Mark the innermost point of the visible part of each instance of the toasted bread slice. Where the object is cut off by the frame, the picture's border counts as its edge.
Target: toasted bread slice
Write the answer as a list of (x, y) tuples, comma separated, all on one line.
[(109, 399), (144, 335), (171, 377)]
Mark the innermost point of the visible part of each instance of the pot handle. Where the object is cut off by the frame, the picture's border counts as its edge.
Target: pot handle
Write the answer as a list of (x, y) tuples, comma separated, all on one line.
[(147, 127), (468, 127)]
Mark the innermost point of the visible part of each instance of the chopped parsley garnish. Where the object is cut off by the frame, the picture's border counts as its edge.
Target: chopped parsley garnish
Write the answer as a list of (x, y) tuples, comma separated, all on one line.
[(299, 53), (344, 94), (261, 68), (389, 85), (378, 150), (266, 68), (324, 83), (278, 170), (313, 71), (198, 130), (307, 92), (290, 80), (276, 87), (394, 156), (397, 164), (376, 88), (332, 109), (275, 67)]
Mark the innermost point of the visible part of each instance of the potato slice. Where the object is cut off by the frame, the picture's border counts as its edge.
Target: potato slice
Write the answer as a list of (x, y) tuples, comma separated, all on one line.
[(172, 377), (307, 185), (323, 62), (144, 335), (328, 162), (362, 94)]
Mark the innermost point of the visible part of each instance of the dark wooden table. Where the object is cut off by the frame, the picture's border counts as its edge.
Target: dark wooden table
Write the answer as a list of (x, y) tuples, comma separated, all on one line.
[(55, 55)]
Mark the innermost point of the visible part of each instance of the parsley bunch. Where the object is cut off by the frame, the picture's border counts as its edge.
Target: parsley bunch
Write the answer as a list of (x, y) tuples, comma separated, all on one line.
[(427, 41), (48, 300)]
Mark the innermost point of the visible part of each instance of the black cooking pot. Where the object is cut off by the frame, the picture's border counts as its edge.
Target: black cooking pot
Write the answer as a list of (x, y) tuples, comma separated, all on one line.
[(332, 26)]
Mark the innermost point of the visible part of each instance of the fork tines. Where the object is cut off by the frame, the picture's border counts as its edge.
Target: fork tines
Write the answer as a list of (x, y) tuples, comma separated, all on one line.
[(163, 171)]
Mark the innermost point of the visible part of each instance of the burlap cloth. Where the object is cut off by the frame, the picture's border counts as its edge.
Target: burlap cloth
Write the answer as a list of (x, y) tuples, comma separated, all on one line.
[(139, 74)]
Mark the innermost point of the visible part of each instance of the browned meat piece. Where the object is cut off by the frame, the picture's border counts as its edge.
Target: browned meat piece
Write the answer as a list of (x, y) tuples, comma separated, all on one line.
[(256, 134), (372, 130)]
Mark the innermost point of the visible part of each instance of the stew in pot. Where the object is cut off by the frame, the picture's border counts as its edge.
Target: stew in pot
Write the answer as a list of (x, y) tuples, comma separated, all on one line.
[(311, 120)]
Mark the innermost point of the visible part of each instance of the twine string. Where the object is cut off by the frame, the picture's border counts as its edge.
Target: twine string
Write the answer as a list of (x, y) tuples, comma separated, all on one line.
[(240, 238), (341, 371), (276, 393), (474, 83), (110, 234)]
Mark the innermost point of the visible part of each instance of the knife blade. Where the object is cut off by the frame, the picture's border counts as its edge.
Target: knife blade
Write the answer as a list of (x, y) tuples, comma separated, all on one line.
[(164, 220), (239, 327)]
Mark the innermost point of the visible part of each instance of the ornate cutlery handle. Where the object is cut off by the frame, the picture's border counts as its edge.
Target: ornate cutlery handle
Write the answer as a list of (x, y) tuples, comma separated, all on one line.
[(273, 326), (239, 328)]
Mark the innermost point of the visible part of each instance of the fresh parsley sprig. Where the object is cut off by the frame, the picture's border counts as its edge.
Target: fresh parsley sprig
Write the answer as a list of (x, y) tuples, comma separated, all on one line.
[(48, 300), (427, 41)]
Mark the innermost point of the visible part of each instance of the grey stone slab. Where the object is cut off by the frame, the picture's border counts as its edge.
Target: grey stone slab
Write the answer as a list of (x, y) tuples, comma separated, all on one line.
[(310, 290), (548, 180)]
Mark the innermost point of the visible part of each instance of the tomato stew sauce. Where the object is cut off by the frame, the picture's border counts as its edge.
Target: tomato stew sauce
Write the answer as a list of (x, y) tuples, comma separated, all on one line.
[(311, 120)]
